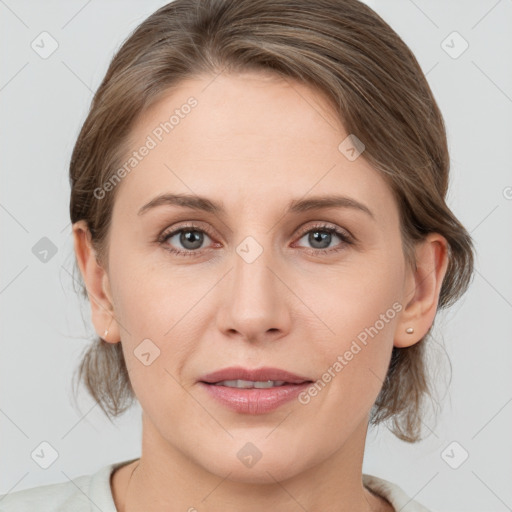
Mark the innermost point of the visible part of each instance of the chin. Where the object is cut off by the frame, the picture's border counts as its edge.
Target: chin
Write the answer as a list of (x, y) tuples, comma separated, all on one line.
[(262, 473), (245, 463)]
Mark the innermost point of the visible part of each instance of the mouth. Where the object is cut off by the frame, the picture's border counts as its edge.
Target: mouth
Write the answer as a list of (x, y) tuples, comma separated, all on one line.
[(253, 391), (239, 374), (250, 384)]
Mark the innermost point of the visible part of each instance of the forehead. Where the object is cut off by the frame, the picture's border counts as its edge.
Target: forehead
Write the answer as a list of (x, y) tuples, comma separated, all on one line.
[(249, 140)]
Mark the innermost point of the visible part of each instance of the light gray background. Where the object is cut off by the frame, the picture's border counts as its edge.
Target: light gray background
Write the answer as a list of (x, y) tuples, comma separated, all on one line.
[(42, 105)]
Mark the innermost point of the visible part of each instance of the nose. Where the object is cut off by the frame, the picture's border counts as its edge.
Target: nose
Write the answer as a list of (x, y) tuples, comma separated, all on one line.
[(255, 305)]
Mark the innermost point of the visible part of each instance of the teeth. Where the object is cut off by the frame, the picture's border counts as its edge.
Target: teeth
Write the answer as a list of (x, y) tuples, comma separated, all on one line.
[(242, 384)]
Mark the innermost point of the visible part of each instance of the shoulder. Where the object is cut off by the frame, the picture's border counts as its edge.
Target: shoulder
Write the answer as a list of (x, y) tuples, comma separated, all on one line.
[(49, 498), (81, 494), (394, 494)]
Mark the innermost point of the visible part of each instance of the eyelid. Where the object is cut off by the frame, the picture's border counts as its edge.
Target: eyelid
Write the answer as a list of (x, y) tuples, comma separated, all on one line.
[(193, 225), (204, 227), (327, 226)]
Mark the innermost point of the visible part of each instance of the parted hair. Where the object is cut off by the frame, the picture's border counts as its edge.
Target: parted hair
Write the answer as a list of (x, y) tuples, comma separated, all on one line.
[(375, 87)]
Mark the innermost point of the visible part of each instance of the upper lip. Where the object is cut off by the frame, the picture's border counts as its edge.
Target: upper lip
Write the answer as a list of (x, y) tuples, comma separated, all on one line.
[(256, 374)]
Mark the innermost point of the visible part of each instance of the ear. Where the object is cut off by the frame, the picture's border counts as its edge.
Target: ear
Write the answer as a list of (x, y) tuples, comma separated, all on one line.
[(422, 288), (97, 284)]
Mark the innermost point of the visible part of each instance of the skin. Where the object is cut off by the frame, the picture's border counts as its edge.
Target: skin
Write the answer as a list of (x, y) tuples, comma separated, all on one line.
[(254, 142)]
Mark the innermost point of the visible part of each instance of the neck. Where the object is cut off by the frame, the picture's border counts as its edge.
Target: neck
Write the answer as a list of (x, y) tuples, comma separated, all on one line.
[(164, 476)]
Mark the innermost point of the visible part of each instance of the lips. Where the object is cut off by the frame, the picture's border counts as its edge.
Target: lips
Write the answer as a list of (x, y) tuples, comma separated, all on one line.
[(253, 400), (258, 374)]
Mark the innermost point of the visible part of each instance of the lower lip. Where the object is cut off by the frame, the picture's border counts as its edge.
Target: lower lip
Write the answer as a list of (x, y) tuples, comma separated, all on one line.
[(254, 400)]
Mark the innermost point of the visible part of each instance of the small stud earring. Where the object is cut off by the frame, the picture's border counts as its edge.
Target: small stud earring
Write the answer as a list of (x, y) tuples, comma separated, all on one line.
[(106, 330), (409, 330)]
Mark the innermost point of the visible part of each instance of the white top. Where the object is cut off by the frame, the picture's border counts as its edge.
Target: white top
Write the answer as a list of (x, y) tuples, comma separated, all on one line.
[(88, 493)]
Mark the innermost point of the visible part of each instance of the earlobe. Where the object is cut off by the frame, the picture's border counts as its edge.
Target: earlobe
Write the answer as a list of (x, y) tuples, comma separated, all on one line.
[(97, 284), (422, 288)]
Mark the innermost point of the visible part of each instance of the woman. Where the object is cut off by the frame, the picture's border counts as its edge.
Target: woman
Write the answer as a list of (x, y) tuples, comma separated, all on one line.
[(259, 218)]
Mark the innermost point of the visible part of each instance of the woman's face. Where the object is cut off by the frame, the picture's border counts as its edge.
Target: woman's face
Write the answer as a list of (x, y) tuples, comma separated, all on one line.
[(259, 282)]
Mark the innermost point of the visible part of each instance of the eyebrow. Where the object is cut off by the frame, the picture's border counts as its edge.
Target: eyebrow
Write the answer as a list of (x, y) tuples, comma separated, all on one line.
[(294, 206)]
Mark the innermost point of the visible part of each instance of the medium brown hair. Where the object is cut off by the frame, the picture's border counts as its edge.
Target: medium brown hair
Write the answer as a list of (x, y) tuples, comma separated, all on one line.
[(377, 90)]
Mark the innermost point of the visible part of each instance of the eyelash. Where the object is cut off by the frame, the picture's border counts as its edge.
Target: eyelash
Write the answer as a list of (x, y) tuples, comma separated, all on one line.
[(345, 238)]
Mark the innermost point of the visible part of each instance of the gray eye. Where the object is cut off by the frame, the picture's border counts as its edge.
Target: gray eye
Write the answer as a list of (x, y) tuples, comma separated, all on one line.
[(319, 238), (190, 239)]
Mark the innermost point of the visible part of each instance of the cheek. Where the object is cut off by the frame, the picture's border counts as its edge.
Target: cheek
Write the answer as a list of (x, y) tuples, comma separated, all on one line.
[(150, 298), (354, 298), (360, 309), (160, 311)]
